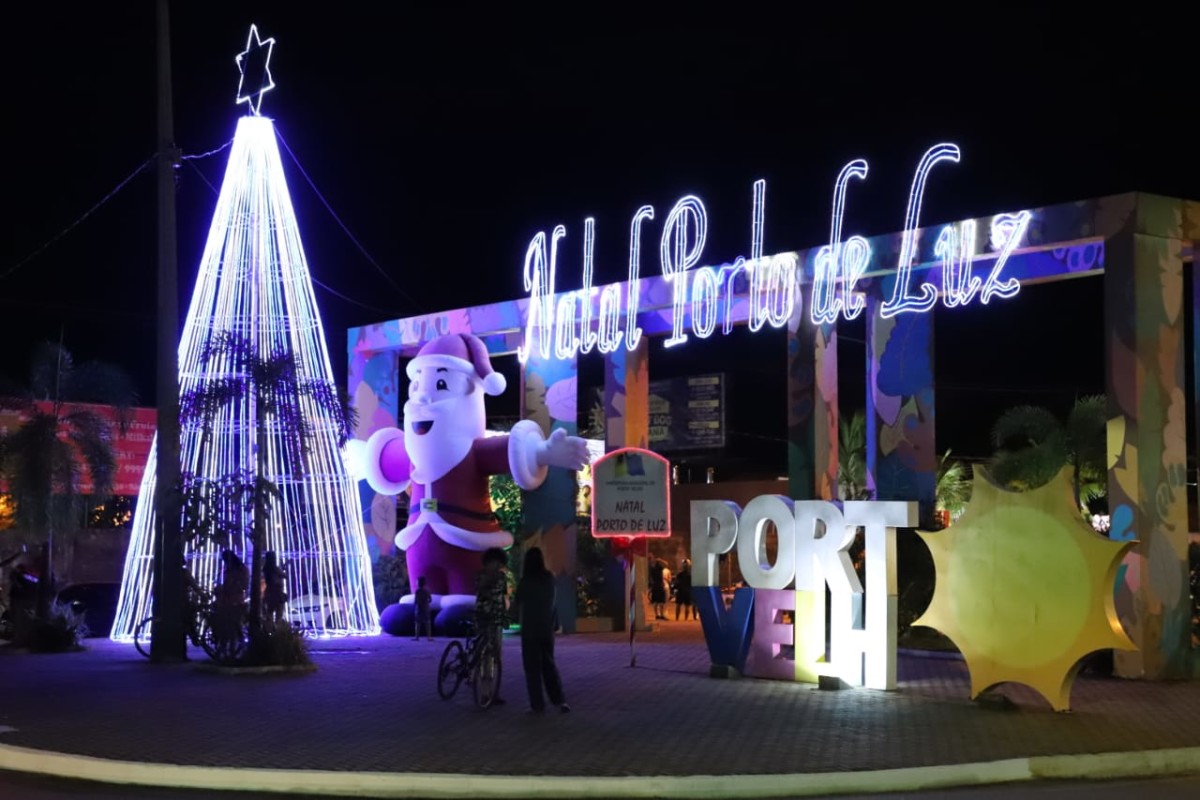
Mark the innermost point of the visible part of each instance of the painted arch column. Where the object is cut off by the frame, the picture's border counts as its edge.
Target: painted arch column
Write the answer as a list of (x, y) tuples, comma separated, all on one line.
[(902, 458), (627, 424), (1147, 436), (549, 397), (812, 370)]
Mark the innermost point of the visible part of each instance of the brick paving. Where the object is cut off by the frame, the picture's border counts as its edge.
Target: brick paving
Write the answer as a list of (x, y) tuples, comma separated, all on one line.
[(372, 706)]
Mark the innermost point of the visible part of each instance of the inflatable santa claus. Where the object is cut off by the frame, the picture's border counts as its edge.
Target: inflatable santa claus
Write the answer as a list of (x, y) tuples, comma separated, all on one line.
[(443, 456)]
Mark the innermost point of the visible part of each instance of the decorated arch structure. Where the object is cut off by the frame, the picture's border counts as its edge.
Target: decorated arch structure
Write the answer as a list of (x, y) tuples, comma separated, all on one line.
[(1140, 243)]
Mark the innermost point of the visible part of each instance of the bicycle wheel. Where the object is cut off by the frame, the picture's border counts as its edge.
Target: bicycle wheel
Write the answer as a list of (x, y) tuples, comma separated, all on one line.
[(487, 676), (141, 637), (450, 670), (198, 630), (224, 640)]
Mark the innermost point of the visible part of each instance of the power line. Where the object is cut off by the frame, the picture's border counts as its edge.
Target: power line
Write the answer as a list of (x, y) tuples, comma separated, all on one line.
[(338, 219), (190, 158), (203, 178), (73, 225)]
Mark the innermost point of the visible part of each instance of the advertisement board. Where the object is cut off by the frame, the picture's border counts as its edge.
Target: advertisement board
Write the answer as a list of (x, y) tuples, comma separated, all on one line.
[(687, 413), (131, 448)]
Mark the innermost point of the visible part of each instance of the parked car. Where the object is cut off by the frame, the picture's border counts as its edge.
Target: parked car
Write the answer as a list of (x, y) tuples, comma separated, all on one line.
[(312, 611), (96, 601)]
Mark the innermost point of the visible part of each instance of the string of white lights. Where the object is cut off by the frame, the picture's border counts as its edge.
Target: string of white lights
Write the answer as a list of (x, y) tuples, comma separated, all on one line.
[(633, 331), (839, 261), (902, 299), (206, 154), (678, 255), (321, 284), (956, 250), (1007, 231), (254, 285), (589, 338)]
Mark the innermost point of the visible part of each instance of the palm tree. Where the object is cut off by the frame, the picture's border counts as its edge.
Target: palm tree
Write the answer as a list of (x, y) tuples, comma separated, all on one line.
[(45, 459), (852, 457), (1033, 445), (953, 486), (271, 383)]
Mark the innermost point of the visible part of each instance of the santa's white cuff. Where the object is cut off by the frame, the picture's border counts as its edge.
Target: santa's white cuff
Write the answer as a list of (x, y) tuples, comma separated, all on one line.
[(524, 441), (372, 466)]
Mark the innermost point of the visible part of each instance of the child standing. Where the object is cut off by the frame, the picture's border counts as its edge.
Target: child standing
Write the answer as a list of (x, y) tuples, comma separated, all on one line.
[(423, 600)]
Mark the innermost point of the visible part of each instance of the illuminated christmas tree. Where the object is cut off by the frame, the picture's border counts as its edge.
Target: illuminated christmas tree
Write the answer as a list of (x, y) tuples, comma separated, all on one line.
[(262, 430)]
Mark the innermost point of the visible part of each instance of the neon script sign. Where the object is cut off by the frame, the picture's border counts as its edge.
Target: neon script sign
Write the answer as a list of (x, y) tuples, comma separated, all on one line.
[(776, 627), (562, 325)]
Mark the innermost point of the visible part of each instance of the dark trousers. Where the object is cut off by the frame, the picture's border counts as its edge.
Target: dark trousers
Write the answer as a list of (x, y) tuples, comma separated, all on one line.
[(537, 655)]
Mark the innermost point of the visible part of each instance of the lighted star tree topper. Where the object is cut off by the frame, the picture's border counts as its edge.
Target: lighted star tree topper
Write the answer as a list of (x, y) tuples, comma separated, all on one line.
[(1025, 588), (254, 288)]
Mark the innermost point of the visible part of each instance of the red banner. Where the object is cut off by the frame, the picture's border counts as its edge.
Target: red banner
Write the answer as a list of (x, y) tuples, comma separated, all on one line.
[(131, 448)]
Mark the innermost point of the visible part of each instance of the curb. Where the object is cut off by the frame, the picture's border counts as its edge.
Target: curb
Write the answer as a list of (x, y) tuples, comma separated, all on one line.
[(1149, 763), (271, 670)]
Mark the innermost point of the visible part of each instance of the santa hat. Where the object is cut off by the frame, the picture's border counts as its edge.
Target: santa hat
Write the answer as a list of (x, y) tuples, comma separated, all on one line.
[(461, 352)]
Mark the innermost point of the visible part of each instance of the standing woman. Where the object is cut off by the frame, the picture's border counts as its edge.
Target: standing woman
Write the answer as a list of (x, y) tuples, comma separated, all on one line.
[(539, 618)]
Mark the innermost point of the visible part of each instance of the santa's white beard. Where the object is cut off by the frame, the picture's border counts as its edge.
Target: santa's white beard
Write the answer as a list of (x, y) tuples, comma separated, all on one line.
[(457, 423)]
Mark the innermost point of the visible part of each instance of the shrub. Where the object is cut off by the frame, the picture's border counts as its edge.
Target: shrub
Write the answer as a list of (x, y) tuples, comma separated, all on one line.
[(390, 574), (59, 631), (278, 645)]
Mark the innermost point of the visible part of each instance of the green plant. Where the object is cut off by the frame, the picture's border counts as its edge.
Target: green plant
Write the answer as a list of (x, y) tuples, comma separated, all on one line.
[(506, 503), (278, 644), (58, 630), (852, 457), (597, 423), (1033, 445), (953, 486), (390, 575), (591, 557)]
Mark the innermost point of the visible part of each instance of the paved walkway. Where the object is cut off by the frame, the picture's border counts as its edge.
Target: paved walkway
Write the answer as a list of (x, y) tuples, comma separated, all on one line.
[(372, 707)]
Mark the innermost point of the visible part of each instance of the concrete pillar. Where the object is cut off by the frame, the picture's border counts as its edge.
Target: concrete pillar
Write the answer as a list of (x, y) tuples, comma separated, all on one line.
[(374, 379), (550, 397), (627, 424), (902, 459), (1147, 435), (812, 370)]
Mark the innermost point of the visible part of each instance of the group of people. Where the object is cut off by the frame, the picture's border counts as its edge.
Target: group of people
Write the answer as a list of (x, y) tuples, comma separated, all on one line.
[(664, 586), (231, 591), (537, 612)]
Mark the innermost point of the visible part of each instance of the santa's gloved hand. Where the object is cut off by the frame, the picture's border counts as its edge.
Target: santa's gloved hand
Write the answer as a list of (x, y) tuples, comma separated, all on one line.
[(561, 450)]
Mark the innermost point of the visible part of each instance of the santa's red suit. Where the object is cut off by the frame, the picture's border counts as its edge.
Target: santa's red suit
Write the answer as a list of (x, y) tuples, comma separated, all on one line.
[(444, 456), (450, 519)]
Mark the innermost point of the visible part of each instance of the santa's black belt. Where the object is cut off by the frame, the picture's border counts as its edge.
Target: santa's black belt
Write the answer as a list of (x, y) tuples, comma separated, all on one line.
[(465, 512)]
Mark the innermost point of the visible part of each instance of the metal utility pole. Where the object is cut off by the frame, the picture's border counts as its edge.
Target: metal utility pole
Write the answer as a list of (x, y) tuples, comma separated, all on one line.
[(167, 643)]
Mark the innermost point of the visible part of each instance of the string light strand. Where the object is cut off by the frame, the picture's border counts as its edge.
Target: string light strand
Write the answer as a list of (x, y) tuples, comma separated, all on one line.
[(213, 152), (326, 287)]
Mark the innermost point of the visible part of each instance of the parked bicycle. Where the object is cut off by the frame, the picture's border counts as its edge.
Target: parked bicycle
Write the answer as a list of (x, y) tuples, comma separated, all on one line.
[(221, 632), (473, 660)]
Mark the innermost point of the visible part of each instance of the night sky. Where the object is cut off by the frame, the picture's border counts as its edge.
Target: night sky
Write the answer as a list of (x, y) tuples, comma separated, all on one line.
[(444, 139)]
